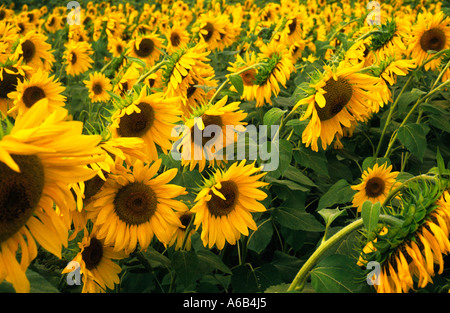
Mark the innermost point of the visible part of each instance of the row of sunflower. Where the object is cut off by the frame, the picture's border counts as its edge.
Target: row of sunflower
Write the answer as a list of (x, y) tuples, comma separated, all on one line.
[(92, 101)]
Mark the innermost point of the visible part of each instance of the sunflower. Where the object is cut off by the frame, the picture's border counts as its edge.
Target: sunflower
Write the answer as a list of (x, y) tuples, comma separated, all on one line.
[(98, 86), (431, 32), (180, 234), (116, 46), (210, 28), (126, 81), (292, 31), (35, 174), (39, 86), (35, 52), (10, 76), (97, 267), (410, 251), (78, 57), (150, 117), (201, 88), (375, 186), (248, 77), (195, 147), (54, 22), (337, 97), (224, 205), (177, 37), (277, 71), (133, 207), (146, 48)]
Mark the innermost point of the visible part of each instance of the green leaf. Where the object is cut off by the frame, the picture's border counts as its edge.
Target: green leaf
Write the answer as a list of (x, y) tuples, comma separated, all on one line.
[(38, 284), (337, 274), (273, 116), (246, 279), (312, 160), (413, 136), (185, 264), (370, 214), (369, 162), (294, 174), (329, 215), (260, 238), (237, 82), (213, 260), (136, 60), (284, 149), (408, 97), (339, 193), (297, 219), (288, 183)]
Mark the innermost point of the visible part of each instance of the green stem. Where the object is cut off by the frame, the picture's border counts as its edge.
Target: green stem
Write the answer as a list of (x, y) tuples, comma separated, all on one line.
[(300, 279)]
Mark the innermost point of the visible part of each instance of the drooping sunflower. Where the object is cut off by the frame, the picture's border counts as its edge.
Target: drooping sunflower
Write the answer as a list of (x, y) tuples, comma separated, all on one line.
[(39, 86), (180, 234), (98, 86), (78, 57), (431, 32), (197, 147), (337, 97), (146, 48), (34, 50), (35, 174), (375, 186), (133, 207), (224, 205), (97, 266), (10, 75), (150, 117), (410, 250)]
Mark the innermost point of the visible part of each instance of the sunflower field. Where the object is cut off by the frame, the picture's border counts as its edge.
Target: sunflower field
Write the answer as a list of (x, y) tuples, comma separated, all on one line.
[(224, 146)]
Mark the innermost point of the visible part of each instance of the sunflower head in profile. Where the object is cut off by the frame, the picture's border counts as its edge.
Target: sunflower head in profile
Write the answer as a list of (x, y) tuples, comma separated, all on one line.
[(98, 86), (431, 32), (150, 117), (134, 206), (198, 145), (248, 77), (225, 202), (411, 251), (78, 57), (35, 201), (182, 235), (276, 72), (376, 183), (335, 99), (146, 47), (34, 51), (97, 264), (39, 86)]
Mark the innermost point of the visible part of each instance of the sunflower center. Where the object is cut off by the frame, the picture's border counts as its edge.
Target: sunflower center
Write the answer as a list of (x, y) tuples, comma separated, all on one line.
[(119, 49), (9, 82), (185, 219), (28, 50), (175, 39), (93, 185), (209, 29), (32, 95), (338, 94), (135, 203), (97, 89), (137, 124), (20, 193), (73, 58), (292, 26), (51, 22), (145, 48), (208, 120), (248, 77), (93, 254), (433, 39), (219, 207), (375, 187)]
